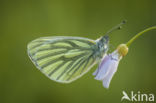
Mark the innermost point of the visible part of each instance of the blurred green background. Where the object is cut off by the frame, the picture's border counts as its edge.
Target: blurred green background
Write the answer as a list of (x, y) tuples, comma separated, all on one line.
[(24, 20)]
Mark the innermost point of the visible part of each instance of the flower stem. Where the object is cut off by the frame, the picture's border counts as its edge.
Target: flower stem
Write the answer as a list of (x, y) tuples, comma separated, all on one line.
[(139, 34)]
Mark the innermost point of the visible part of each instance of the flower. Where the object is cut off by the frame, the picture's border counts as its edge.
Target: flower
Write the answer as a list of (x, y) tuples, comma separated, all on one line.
[(109, 64)]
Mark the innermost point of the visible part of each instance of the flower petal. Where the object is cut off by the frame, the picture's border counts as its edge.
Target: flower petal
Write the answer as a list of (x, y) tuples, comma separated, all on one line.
[(103, 68), (104, 59), (112, 70), (107, 68)]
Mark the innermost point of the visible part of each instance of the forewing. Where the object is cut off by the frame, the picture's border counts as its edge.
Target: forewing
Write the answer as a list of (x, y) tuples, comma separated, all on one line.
[(62, 59)]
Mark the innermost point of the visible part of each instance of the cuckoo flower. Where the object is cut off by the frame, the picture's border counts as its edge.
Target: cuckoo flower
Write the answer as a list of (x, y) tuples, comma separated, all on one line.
[(109, 64)]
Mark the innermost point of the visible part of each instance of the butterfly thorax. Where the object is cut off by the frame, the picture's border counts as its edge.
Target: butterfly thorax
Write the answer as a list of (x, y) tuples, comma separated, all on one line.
[(101, 46)]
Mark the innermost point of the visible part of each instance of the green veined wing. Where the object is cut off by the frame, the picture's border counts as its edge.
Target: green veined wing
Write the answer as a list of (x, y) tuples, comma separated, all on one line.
[(62, 59)]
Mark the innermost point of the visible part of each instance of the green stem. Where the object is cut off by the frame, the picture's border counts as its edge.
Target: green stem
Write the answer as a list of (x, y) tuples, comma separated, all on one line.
[(139, 34)]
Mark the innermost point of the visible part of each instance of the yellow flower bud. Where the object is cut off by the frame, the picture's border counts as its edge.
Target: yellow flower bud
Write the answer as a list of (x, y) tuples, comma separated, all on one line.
[(122, 49)]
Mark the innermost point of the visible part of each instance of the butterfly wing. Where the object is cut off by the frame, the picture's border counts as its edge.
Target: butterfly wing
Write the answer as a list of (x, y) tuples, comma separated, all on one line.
[(62, 59)]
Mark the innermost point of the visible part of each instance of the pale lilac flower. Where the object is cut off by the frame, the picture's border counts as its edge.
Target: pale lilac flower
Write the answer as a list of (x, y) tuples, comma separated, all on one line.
[(107, 68)]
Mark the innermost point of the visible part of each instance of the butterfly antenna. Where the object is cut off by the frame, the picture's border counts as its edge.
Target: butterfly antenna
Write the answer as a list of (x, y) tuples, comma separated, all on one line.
[(117, 27)]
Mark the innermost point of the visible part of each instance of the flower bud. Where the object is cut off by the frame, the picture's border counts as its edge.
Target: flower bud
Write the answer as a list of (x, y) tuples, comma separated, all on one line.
[(122, 49)]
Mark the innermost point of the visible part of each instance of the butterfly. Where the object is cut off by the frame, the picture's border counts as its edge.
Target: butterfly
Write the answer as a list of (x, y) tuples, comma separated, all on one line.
[(65, 59)]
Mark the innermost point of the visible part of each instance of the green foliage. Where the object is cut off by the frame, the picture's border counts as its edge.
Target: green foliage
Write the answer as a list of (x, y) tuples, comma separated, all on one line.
[(24, 20)]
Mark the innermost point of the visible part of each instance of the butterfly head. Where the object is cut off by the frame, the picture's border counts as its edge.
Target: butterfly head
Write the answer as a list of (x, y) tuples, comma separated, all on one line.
[(105, 39)]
